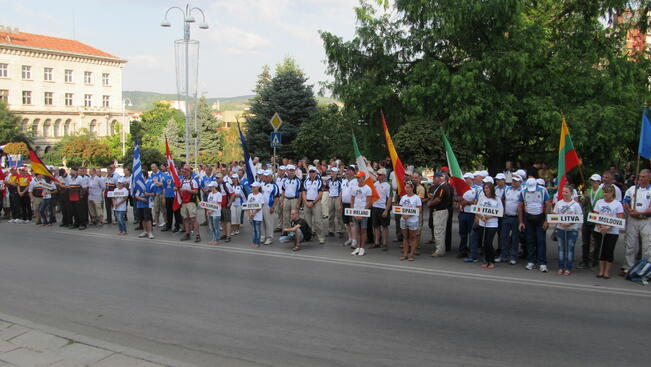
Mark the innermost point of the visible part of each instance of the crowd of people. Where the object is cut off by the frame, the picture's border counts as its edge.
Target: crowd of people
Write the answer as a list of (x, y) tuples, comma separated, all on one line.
[(301, 201)]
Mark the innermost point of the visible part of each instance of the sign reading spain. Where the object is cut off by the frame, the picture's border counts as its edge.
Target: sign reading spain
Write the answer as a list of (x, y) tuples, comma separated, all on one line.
[(352, 212), (403, 210), (564, 218), (606, 220), (486, 210)]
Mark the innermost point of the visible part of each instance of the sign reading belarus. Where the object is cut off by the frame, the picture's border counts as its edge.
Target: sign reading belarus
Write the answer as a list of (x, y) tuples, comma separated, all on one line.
[(276, 121), (116, 194), (352, 212), (403, 210), (564, 218), (276, 140), (480, 209), (209, 205), (251, 206), (606, 220)]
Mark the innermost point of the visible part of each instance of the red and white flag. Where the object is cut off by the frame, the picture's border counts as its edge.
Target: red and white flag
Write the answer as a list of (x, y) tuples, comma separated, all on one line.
[(175, 176)]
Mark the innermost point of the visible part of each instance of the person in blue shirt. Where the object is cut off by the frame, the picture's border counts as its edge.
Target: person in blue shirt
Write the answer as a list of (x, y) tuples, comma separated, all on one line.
[(205, 190), (171, 216), (143, 199), (158, 200)]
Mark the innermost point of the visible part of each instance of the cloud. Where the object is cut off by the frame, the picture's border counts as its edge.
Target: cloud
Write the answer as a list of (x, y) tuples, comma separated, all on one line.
[(234, 40)]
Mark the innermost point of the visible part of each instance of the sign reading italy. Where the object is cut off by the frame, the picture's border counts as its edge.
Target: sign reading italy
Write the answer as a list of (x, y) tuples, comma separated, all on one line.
[(487, 210)]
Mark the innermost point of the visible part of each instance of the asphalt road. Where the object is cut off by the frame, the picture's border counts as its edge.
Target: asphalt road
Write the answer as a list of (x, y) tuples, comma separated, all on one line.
[(235, 306)]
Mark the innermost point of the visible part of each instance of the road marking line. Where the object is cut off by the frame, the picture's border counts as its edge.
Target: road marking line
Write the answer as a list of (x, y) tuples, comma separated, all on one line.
[(376, 265)]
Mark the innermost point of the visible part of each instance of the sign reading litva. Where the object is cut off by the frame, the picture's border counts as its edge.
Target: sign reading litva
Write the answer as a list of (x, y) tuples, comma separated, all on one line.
[(606, 220), (564, 218), (352, 212), (486, 210), (276, 121), (209, 205), (116, 194), (403, 210), (251, 206)]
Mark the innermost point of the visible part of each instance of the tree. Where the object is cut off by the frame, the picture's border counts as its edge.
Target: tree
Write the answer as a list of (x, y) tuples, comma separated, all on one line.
[(10, 127), (210, 141), (497, 75), (286, 93), (174, 136), (84, 150), (153, 123), (147, 157), (325, 136)]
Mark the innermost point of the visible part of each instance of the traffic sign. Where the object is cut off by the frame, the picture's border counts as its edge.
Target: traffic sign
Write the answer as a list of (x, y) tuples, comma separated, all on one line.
[(276, 140), (276, 121)]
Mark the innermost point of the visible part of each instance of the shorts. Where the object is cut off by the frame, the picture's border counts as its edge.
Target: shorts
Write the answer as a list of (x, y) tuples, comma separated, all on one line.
[(236, 214), (189, 210), (412, 226), (346, 219), (378, 220), (144, 214), (361, 223), (226, 215)]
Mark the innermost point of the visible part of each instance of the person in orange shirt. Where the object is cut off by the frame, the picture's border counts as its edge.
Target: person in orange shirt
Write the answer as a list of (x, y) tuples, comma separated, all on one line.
[(23, 180)]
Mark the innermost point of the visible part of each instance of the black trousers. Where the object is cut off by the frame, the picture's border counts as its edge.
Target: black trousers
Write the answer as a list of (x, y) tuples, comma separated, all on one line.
[(586, 235), (66, 212), (25, 208), (76, 212), (170, 213), (83, 215), (14, 202), (108, 205)]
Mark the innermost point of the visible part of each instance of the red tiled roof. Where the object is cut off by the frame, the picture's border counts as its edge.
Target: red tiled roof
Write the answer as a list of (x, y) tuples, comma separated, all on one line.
[(50, 43)]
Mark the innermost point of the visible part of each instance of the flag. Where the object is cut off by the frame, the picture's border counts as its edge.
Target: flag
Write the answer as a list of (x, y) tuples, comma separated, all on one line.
[(175, 177), (138, 180), (645, 137), (361, 167), (38, 167), (456, 177), (248, 164), (395, 160), (567, 158)]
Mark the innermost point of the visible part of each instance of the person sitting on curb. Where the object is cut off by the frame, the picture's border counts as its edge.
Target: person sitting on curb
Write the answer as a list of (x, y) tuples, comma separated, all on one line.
[(298, 232)]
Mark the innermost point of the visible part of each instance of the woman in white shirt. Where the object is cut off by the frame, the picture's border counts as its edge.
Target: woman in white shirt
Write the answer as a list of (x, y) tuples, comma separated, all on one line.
[(567, 233), (255, 215), (488, 224), (236, 207), (121, 195), (605, 237), (409, 223), (214, 216)]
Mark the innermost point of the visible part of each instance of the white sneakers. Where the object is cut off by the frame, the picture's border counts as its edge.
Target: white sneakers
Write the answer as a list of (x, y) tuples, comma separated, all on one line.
[(353, 244), (356, 251), (543, 268), (529, 266), (151, 236), (162, 225), (347, 242), (359, 252), (143, 235)]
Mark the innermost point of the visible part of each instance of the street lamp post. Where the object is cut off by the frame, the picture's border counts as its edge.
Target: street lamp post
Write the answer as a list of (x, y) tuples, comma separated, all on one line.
[(187, 20), (125, 102)]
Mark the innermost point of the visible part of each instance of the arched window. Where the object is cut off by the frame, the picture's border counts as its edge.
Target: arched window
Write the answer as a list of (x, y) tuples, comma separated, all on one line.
[(35, 124), (93, 127), (57, 126), (114, 127), (46, 128), (66, 127), (47, 149), (25, 124)]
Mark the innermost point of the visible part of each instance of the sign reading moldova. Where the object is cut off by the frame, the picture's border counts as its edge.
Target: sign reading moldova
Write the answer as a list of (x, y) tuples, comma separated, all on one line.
[(564, 218), (251, 206), (480, 209), (276, 121), (116, 194), (209, 205), (606, 220), (403, 210), (352, 212)]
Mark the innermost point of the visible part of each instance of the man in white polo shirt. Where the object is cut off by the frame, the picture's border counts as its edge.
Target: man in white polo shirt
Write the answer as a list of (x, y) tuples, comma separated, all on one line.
[(381, 211), (334, 205), (290, 194), (638, 229), (510, 234), (534, 204), (312, 192), (348, 186)]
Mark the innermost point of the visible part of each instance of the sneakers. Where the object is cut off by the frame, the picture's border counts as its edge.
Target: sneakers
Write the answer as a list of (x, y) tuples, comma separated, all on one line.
[(143, 235), (185, 237), (543, 268), (348, 242), (470, 260), (162, 225), (512, 262), (356, 251), (321, 241), (197, 239), (498, 259), (529, 266), (361, 252), (151, 236), (353, 244)]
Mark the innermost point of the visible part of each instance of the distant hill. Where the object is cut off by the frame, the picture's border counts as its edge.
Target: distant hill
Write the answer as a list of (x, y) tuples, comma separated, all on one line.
[(145, 100)]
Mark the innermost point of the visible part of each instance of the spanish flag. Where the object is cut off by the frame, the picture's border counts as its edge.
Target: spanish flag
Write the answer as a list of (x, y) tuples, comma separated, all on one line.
[(395, 160), (567, 157), (38, 167)]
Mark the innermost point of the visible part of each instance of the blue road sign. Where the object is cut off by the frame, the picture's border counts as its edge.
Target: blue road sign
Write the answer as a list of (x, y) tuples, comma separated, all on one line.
[(276, 139)]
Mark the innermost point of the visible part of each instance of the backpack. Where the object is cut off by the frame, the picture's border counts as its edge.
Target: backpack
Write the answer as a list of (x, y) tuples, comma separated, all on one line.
[(640, 272)]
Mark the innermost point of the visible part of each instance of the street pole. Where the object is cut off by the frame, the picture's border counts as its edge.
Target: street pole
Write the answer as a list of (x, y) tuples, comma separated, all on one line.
[(122, 133)]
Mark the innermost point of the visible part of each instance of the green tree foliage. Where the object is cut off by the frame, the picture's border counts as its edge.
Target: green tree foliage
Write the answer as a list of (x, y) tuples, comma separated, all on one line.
[(286, 93), (147, 157), (497, 75), (84, 150), (326, 135), (210, 140), (10, 127), (152, 126)]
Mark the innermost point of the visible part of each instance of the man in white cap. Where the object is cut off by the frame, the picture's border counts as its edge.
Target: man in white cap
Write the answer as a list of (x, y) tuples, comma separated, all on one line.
[(466, 218), (312, 192), (280, 177), (509, 233), (290, 194), (439, 197), (592, 195), (522, 173), (381, 211), (335, 223), (535, 203), (270, 193), (348, 186), (637, 204)]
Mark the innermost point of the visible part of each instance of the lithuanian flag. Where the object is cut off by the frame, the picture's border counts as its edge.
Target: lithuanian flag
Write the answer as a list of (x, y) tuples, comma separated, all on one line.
[(567, 158), (398, 168), (38, 167), (456, 177)]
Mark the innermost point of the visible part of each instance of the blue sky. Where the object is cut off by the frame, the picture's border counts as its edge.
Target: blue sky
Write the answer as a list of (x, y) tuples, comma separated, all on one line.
[(244, 35)]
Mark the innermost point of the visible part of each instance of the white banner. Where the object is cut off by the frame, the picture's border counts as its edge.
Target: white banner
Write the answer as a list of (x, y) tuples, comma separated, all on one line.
[(209, 205), (116, 194), (403, 210), (606, 220), (351, 212), (480, 209), (564, 218), (252, 206)]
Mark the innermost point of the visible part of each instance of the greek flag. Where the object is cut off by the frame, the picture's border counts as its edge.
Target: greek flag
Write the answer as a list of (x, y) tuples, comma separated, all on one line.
[(138, 178), (248, 164)]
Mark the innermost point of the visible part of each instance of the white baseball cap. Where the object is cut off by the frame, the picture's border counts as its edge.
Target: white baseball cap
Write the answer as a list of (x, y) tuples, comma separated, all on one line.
[(468, 175), (595, 177), (484, 173), (540, 182), (290, 167), (311, 168), (521, 173), (531, 184), (334, 169), (282, 168), (476, 173), (488, 179), (500, 176), (516, 178), (212, 184), (256, 184), (234, 175)]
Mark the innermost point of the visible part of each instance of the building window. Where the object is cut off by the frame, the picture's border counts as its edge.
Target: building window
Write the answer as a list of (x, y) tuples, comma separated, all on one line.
[(27, 97), (87, 77), (114, 127), (27, 72), (35, 127), (48, 98), (88, 100), (106, 100), (46, 128), (68, 76), (66, 128), (105, 79), (4, 95), (93, 127), (4, 70), (68, 99), (55, 129), (47, 74)]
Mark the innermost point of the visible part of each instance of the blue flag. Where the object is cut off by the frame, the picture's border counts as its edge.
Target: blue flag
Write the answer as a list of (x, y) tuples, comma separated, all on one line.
[(248, 163), (138, 180), (645, 137)]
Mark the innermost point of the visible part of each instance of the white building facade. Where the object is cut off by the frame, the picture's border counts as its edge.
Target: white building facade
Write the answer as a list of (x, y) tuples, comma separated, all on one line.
[(59, 87)]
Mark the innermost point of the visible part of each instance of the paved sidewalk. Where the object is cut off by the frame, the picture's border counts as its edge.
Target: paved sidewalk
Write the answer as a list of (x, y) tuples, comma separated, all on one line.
[(26, 344)]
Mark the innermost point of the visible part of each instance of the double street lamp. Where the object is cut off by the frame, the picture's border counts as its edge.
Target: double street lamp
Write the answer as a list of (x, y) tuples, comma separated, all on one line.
[(182, 58), (125, 102)]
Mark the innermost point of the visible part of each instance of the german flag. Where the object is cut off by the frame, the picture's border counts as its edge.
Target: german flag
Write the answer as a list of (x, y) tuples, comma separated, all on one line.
[(38, 167), (567, 157)]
